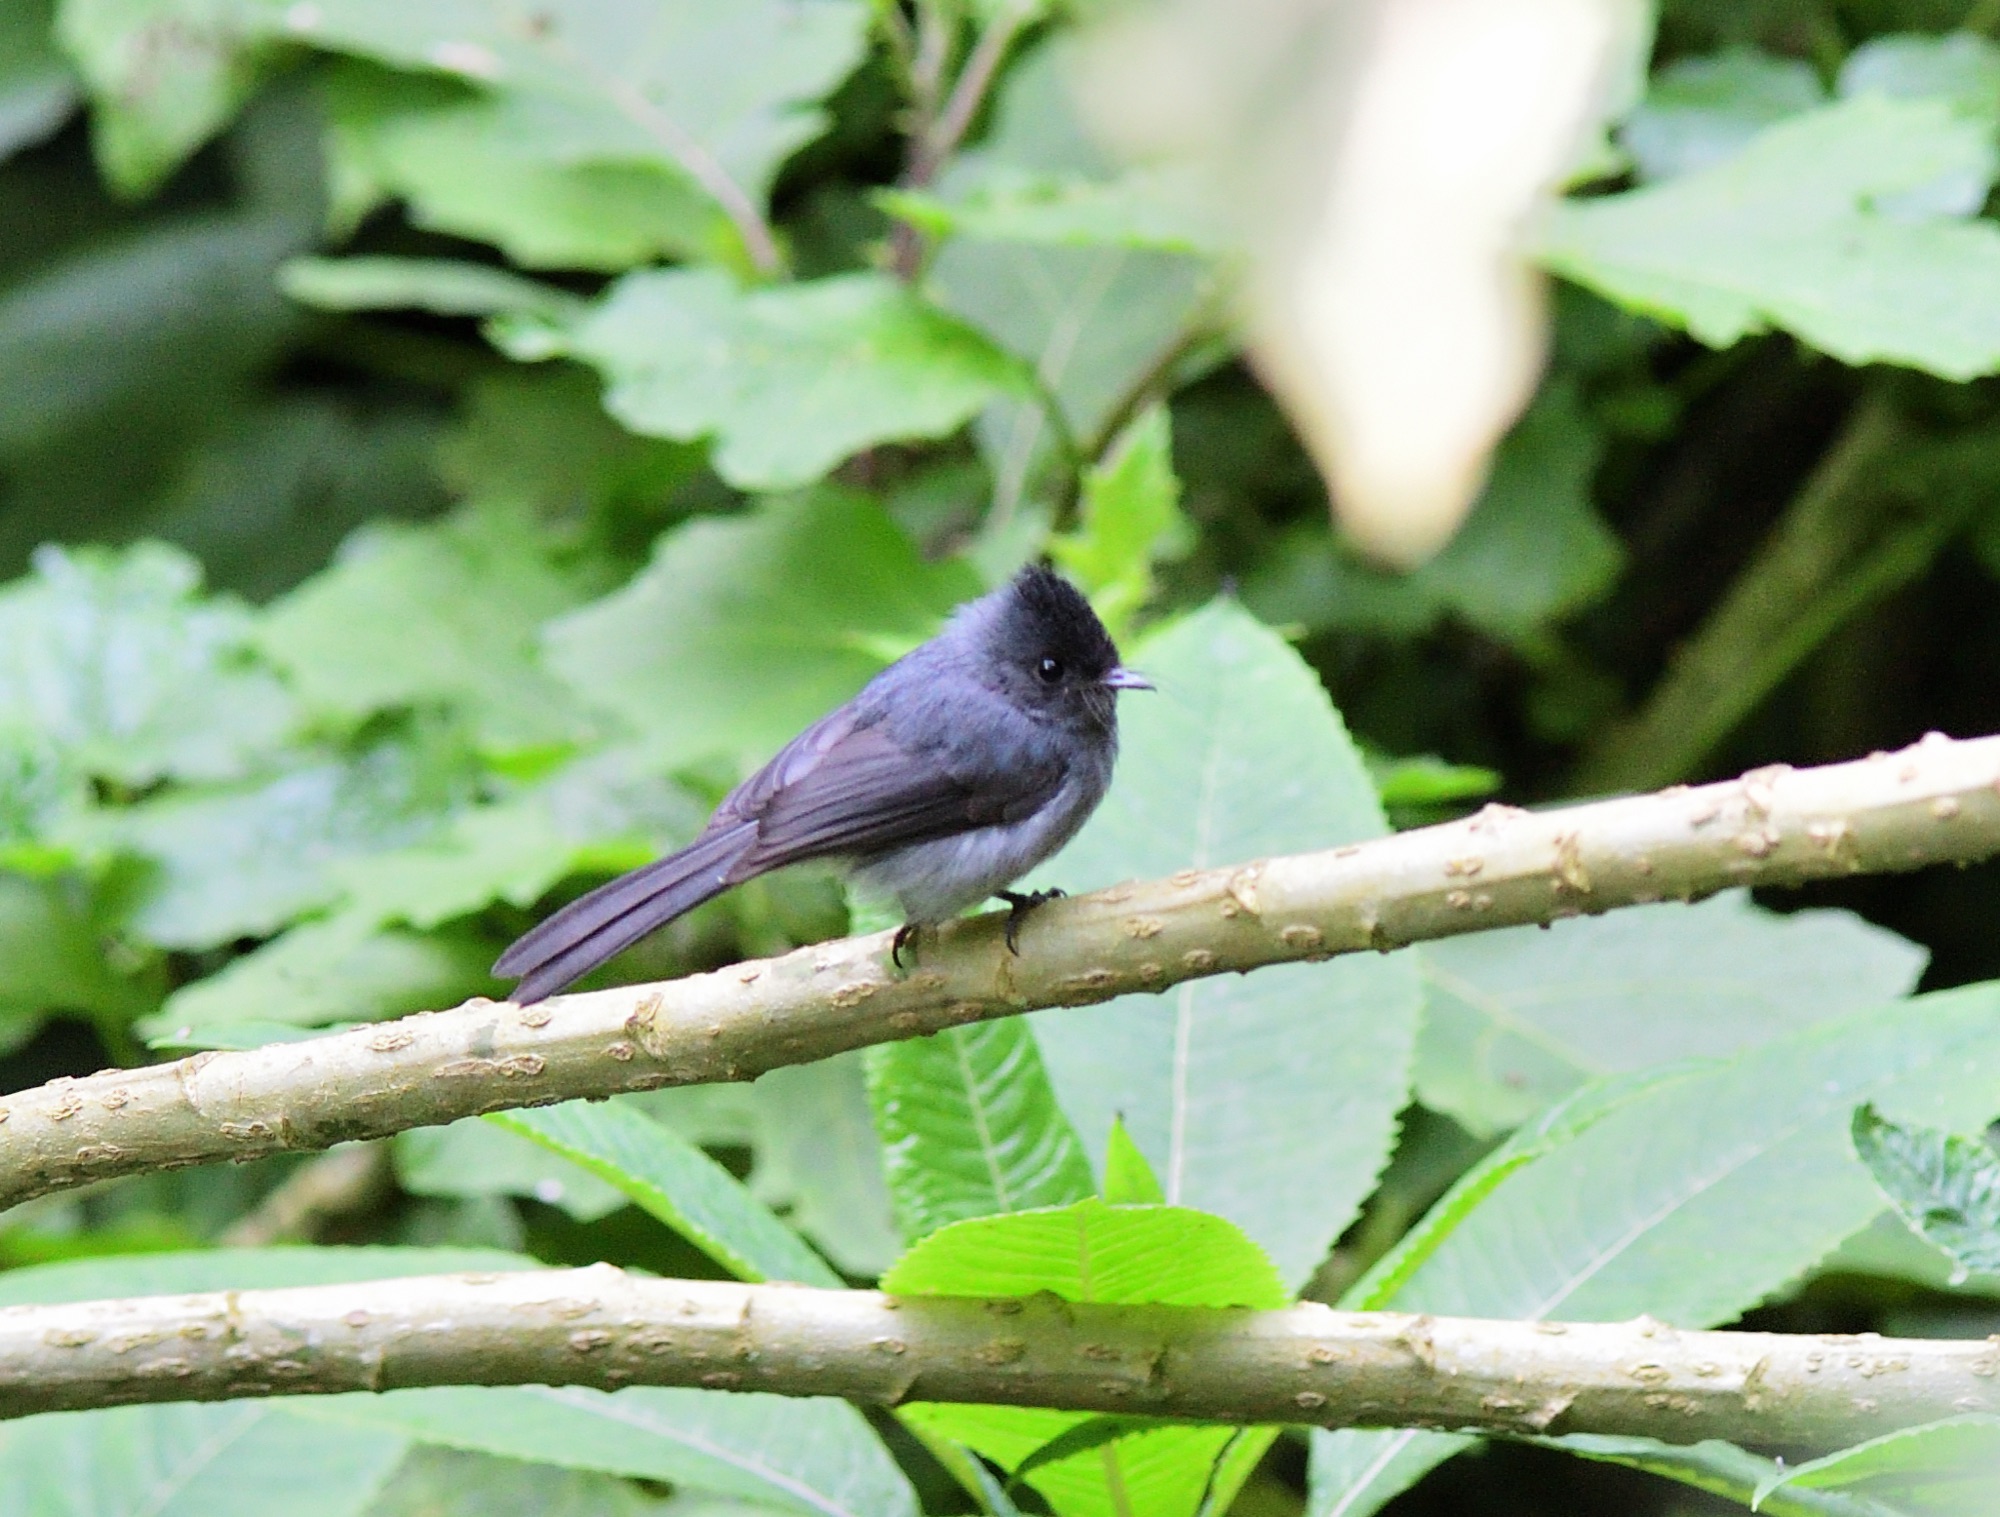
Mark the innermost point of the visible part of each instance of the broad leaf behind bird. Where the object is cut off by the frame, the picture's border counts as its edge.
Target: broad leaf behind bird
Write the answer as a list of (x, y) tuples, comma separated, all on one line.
[(955, 771)]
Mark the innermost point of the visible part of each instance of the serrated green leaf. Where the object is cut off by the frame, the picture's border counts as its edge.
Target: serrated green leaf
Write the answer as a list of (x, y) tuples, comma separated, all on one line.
[(1942, 1469), (1794, 233), (788, 380), (447, 612), (1223, 1082), (1128, 1179), (473, 1157), (743, 630), (1091, 1251), (1700, 111), (812, 1455), (114, 661), (1947, 1188), (438, 285), (672, 1180), (1693, 1201), (970, 1127), (1128, 521), (1516, 1018), (1722, 1469)]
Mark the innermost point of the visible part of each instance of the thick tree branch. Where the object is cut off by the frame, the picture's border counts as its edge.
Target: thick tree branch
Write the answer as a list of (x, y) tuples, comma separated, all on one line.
[(1303, 1364), (1932, 803)]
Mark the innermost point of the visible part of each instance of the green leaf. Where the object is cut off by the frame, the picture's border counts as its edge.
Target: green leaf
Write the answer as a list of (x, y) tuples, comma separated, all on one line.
[(1128, 1179), (164, 76), (1700, 111), (1692, 1201), (1516, 1018), (174, 1274), (474, 1157), (438, 285), (1224, 1083), (812, 1455), (116, 663), (1091, 1251), (1942, 1469), (437, 1482), (1129, 519), (820, 1161), (970, 1127), (743, 630), (671, 1179), (788, 380), (447, 612), (37, 89), (232, 1459), (244, 860), (1722, 1469), (52, 957), (1947, 1188), (1147, 208), (1961, 68), (1427, 780), (1793, 233), (343, 968)]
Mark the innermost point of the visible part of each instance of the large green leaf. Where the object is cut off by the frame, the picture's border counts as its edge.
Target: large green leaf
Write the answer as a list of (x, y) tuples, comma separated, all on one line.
[(970, 1127), (472, 1157), (1947, 1188), (1798, 232), (1270, 1098), (1700, 111), (113, 660), (242, 861), (232, 1459), (743, 630), (441, 1482), (819, 1160), (1692, 1201), (443, 613), (37, 90), (670, 1178), (1943, 1469), (810, 1455), (173, 1274), (788, 380), (1092, 1251), (1514, 1019), (52, 957)]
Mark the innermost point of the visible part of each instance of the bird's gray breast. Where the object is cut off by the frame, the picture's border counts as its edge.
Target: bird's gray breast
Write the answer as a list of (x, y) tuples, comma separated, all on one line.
[(936, 880)]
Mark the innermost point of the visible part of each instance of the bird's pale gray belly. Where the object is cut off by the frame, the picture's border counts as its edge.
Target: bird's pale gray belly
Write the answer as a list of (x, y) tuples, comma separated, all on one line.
[(935, 881)]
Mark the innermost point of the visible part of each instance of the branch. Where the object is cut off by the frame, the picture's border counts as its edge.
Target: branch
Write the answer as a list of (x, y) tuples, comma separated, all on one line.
[(1935, 802), (1302, 1364)]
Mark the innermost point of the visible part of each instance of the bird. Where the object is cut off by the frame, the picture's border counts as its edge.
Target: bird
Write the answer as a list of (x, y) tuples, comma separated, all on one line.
[(952, 773)]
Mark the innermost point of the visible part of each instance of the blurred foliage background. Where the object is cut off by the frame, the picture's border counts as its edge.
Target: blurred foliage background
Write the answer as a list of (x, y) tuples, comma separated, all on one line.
[(441, 446)]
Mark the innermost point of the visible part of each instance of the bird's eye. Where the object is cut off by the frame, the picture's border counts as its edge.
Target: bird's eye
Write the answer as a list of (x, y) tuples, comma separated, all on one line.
[(1049, 671)]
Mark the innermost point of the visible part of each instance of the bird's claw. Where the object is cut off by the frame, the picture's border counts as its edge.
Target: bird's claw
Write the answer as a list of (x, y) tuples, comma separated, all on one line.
[(905, 935), (1019, 904)]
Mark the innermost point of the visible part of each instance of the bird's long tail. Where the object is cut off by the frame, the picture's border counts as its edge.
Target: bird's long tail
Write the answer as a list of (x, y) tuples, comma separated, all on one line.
[(615, 916)]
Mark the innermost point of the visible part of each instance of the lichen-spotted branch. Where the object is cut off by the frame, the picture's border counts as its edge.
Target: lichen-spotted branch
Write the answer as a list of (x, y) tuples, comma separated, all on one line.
[(1934, 802), (1303, 1364)]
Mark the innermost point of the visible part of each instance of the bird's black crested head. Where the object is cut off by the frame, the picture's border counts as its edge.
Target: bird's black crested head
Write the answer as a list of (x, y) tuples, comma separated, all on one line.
[(1050, 652)]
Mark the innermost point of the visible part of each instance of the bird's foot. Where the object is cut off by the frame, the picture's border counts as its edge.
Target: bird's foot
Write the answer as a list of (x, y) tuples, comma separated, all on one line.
[(1019, 904), (905, 936)]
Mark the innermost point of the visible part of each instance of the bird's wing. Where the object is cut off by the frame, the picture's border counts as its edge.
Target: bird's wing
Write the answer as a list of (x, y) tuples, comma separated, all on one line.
[(843, 787)]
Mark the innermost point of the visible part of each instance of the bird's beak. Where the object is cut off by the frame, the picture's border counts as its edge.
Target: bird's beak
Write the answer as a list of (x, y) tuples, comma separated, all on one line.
[(1121, 678)]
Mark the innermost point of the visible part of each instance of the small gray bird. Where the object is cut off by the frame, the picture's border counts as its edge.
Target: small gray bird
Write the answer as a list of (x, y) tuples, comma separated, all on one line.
[(956, 770)]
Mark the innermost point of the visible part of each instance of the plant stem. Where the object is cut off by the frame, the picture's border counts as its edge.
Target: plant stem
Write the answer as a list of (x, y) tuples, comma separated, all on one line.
[(1935, 802), (1305, 1364)]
